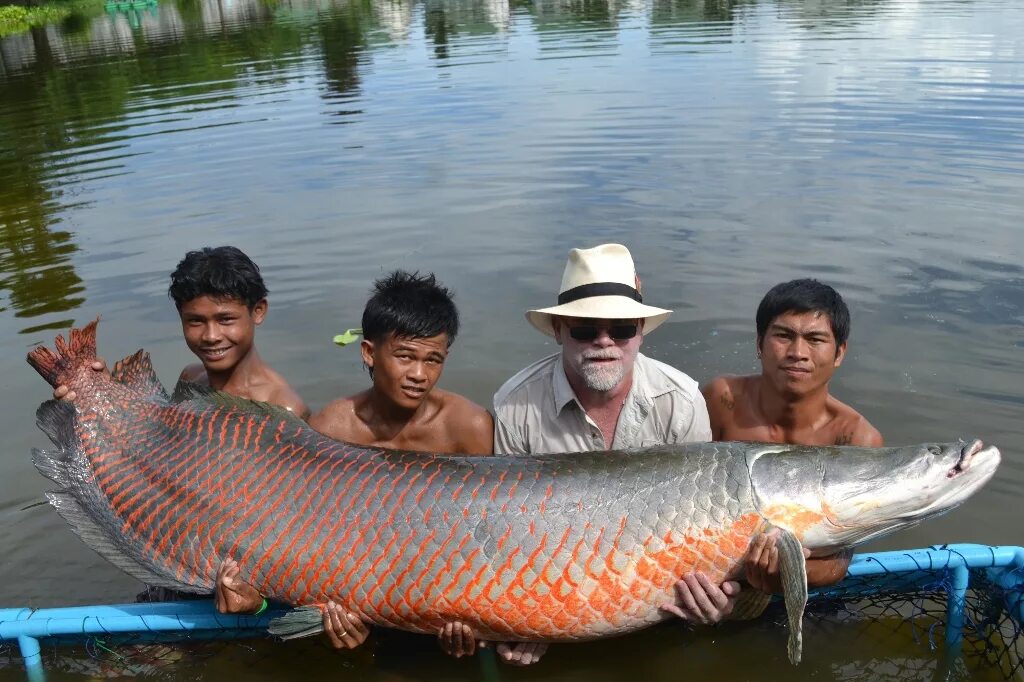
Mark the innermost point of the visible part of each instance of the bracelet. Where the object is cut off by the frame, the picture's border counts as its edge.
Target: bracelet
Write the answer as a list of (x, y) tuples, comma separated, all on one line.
[(263, 607)]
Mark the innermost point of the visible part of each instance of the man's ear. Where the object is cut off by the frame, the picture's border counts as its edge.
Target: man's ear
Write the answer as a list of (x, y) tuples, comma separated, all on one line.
[(840, 354), (259, 311), (556, 323), (366, 350)]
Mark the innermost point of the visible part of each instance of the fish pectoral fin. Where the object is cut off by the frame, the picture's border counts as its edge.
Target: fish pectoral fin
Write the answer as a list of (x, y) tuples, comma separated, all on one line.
[(305, 621), (750, 604), (793, 571)]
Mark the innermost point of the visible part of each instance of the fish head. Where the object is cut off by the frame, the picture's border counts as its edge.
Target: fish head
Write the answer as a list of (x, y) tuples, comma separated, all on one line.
[(844, 496)]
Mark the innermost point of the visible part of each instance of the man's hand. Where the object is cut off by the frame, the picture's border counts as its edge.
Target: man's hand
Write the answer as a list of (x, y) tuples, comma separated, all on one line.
[(62, 392), (231, 594), (457, 639), (763, 563), (519, 653), (344, 630), (700, 601)]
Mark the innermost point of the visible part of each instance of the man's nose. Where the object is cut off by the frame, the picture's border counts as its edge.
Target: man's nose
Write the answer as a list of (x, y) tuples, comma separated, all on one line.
[(211, 332), (603, 338), (799, 348), (417, 372)]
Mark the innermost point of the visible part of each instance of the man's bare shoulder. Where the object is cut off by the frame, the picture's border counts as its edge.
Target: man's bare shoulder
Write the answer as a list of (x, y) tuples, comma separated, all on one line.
[(194, 373), (338, 418), (285, 396), (852, 428), (722, 394), (470, 424)]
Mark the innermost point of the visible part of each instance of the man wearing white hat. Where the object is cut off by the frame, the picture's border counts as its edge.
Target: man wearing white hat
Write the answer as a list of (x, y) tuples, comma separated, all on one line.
[(599, 392)]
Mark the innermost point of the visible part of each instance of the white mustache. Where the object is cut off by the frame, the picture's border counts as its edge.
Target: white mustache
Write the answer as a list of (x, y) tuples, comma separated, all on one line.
[(610, 354)]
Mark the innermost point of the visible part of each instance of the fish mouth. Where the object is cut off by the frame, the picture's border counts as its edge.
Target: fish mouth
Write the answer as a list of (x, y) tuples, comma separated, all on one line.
[(975, 450)]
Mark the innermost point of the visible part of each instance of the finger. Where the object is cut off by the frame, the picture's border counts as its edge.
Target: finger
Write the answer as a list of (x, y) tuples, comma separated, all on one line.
[(731, 588), (504, 651), (468, 640), (773, 561), (99, 364), (356, 625), (688, 602), (700, 595), (716, 597), (457, 640), (60, 392), (444, 638), (807, 553), (332, 626)]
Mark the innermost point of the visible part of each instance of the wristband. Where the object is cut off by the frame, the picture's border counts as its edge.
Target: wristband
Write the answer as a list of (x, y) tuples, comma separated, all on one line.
[(263, 607)]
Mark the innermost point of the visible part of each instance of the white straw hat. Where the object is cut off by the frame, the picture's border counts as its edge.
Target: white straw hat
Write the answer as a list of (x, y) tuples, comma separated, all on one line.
[(599, 283)]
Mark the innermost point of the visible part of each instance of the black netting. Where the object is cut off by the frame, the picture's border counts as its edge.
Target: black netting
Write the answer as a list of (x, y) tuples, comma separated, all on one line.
[(889, 626)]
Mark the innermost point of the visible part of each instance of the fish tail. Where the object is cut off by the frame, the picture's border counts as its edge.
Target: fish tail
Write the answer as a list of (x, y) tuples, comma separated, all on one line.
[(84, 505), (57, 366), (304, 621)]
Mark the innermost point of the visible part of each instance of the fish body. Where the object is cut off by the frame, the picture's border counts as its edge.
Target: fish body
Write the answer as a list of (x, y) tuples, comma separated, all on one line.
[(543, 548)]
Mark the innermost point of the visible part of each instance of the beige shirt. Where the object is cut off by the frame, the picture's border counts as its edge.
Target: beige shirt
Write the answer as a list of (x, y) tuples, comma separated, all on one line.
[(536, 411)]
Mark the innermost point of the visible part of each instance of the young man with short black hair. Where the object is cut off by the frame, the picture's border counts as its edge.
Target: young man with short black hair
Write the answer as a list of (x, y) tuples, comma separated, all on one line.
[(409, 324), (802, 332)]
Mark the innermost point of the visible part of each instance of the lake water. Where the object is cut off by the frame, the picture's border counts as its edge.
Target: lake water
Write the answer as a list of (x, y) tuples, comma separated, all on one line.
[(876, 145)]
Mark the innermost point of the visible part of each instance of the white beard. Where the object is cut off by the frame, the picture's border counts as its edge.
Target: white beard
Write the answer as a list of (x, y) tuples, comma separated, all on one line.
[(600, 378)]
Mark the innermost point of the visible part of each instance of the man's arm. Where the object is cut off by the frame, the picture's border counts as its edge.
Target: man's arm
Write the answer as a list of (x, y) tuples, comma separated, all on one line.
[(506, 440), (477, 431), (720, 403)]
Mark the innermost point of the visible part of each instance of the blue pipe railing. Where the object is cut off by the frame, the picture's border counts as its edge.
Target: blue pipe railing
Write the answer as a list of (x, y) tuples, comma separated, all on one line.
[(1003, 565)]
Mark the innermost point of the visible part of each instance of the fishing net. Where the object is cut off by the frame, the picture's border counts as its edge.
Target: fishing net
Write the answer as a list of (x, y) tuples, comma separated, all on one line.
[(888, 624)]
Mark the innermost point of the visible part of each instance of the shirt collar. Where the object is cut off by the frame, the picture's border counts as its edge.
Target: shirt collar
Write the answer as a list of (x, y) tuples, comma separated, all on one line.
[(562, 392)]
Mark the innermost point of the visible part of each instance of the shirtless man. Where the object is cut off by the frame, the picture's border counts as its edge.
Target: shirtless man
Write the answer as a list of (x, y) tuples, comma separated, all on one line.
[(221, 299), (802, 331), (409, 324)]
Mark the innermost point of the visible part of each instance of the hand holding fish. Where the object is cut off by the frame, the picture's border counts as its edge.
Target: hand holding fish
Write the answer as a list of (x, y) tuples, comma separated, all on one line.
[(344, 630), (702, 602), (457, 639), (231, 594), (62, 392)]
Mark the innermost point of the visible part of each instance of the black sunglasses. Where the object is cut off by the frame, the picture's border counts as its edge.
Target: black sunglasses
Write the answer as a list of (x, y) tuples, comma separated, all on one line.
[(589, 332)]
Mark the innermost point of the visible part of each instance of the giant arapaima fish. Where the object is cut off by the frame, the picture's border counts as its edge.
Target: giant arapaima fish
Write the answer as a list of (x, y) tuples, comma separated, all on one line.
[(542, 548)]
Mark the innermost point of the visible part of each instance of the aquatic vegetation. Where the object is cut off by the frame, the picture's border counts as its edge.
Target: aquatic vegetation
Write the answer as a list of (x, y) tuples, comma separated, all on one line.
[(18, 18)]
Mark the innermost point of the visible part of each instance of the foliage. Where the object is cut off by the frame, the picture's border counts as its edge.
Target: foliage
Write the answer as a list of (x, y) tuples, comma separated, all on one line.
[(18, 18)]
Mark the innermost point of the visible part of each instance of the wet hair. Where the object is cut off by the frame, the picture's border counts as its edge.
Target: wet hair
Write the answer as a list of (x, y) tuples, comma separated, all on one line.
[(804, 296), (223, 272), (412, 306)]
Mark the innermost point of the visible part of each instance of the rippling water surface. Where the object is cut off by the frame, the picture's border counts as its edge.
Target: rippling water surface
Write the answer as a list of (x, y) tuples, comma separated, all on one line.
[(876, 145)]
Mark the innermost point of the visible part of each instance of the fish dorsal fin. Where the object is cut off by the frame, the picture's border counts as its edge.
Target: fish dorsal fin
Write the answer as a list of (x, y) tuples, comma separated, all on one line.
[(199, 395), (137, 371)]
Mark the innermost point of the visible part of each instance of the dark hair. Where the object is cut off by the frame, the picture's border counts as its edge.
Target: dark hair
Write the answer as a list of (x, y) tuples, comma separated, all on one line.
[(222, 272), (409, 305), (804, 296)]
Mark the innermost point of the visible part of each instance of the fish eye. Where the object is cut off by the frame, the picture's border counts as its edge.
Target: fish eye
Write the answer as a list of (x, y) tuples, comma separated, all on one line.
[(935, 450)]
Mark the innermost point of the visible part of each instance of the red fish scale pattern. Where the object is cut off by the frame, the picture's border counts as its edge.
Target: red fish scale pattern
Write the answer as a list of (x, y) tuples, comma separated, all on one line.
[(561, 547)]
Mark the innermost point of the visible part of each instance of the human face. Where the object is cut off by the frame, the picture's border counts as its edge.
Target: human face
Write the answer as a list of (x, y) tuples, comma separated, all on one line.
[(799, 352), (603, 363), (404, 369), (220, 331)]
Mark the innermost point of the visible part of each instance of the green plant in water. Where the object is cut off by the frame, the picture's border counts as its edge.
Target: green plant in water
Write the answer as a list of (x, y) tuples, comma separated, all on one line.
[(17, 19)]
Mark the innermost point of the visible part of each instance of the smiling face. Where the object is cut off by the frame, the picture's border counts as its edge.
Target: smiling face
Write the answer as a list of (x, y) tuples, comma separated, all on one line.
[(601, 362), (220, 331), (405, 369), (799, 352)]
